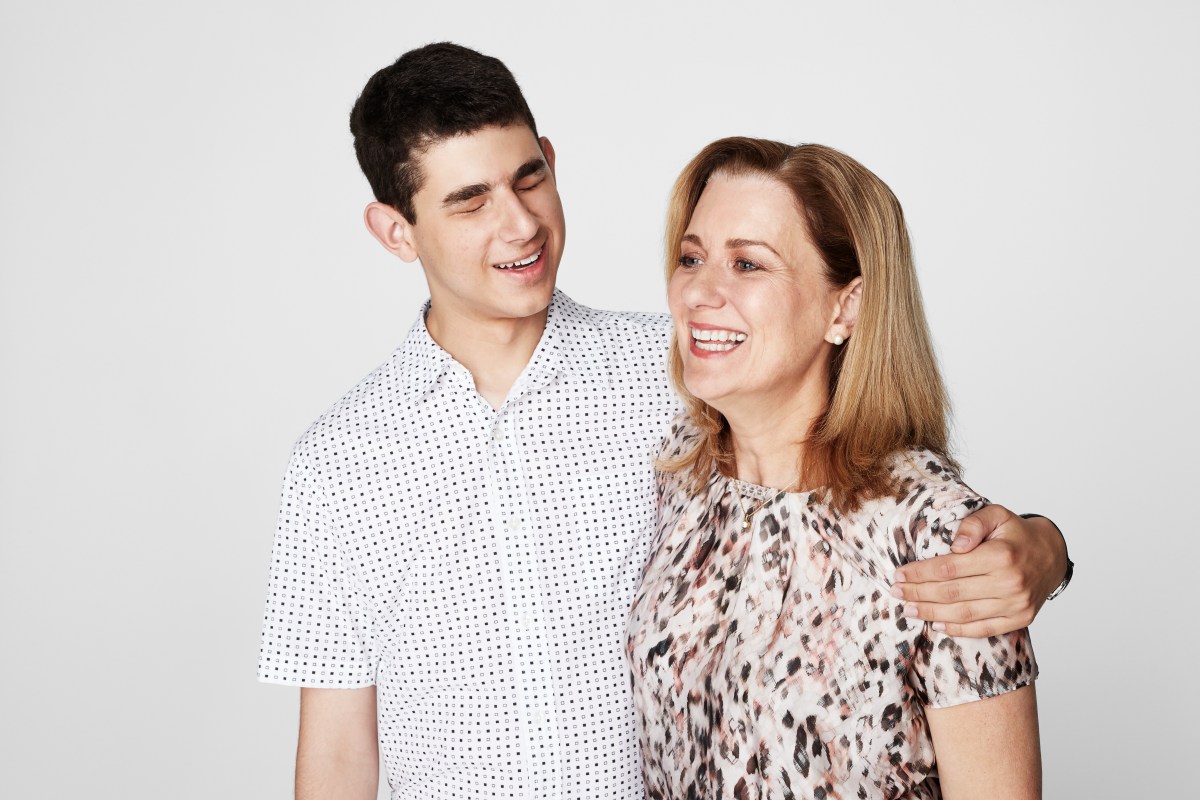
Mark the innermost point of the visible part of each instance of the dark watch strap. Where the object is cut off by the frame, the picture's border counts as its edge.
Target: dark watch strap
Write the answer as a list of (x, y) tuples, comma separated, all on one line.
[(1062, 587)]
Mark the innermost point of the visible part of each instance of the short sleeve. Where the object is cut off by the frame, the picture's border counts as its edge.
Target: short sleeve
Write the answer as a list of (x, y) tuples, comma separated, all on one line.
[(950, 670), (316, 631)]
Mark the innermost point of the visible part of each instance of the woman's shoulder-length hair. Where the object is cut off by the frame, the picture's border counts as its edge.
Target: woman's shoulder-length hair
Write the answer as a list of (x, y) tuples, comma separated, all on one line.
[(886, 394)]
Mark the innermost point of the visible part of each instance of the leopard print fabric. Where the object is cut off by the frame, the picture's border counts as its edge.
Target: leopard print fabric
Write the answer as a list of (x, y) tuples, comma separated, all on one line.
[(774, 663)]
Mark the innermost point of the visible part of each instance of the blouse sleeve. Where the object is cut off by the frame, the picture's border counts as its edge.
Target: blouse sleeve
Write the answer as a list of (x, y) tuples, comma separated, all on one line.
[(949, 670)]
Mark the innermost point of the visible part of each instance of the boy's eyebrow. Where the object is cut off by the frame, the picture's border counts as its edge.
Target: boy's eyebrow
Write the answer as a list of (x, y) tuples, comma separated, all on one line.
[(533, 166), (465, 193)]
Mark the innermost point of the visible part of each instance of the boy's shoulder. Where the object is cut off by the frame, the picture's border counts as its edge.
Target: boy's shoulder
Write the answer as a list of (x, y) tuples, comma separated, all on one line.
[(573, 315)]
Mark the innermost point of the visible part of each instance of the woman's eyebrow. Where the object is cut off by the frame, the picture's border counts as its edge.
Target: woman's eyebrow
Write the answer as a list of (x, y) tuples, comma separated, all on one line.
[(735, 243)]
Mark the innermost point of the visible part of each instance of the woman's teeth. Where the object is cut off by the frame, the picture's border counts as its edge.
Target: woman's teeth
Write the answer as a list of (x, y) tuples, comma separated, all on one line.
[(525, 262), (716, 341)]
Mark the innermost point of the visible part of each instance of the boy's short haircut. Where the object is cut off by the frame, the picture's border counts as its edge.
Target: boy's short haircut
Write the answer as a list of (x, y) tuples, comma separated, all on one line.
[(432, 93)]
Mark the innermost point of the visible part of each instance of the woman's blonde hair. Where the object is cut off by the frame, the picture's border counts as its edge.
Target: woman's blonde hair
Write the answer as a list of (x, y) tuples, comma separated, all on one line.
[(886, 394)]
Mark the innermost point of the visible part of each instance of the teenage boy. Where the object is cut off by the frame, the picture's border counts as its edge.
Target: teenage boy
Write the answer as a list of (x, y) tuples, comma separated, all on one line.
[(461, 534)]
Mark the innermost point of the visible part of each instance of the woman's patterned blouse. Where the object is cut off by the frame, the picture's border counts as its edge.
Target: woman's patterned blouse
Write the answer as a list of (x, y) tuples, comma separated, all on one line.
[(773, 662)]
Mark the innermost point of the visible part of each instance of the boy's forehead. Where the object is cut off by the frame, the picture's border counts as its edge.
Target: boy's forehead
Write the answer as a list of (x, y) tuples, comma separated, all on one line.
[(488, 155)]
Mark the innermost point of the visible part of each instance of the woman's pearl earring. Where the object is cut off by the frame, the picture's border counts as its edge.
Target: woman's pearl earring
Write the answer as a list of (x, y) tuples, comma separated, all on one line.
[(837, 339)]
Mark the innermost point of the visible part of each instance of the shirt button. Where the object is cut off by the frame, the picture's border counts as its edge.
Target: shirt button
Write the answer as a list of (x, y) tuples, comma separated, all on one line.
[(498, 433), (514, 523)]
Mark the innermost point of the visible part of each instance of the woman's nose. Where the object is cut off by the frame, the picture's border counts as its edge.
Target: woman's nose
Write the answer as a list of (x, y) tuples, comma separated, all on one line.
[(702, 287)]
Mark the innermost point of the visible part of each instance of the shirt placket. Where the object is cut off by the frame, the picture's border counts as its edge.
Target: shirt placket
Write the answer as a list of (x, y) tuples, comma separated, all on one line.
[(525, 606)]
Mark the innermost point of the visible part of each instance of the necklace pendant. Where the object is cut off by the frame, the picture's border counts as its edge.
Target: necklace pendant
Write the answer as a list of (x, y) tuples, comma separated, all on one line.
[(745, 523)]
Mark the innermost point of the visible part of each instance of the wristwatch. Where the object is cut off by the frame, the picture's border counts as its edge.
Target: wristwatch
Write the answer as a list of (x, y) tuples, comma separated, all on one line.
[(1062, 587)]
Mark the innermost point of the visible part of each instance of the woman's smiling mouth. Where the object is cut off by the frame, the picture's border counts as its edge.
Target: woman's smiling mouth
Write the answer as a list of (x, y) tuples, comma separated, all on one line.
[(715, 340)]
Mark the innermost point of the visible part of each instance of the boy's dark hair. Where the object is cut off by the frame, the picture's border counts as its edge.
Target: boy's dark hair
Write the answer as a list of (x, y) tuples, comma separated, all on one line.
[(430, 94)]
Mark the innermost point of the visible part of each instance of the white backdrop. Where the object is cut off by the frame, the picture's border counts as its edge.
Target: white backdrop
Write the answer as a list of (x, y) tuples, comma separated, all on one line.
[(186, 284)]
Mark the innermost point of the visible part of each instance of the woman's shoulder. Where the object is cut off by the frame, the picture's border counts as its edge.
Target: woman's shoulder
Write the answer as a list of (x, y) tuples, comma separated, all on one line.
[(674, 473), (682, 437), (915, 521), (922, 473), (931, 499)]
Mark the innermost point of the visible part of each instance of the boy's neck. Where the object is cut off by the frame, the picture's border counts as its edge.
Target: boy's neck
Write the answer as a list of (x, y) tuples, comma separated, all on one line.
[(495, 352)]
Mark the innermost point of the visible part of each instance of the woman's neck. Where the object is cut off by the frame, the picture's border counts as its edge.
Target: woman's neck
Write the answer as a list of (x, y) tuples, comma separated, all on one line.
[(769, 440), (767, 458)]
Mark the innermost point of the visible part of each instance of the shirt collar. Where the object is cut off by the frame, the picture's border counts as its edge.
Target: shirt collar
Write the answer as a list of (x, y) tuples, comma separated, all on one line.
[(563, 348), (422, 362)]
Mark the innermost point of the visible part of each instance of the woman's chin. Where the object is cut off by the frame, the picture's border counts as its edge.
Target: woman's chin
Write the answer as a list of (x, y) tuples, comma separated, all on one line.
[(707, 392)]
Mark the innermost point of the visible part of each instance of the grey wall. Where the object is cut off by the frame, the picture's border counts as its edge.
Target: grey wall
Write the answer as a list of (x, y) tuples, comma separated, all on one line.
[(186, 283)]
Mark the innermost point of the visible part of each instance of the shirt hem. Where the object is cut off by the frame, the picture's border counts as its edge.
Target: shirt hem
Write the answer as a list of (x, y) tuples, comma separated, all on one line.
[(312, 683), (964, 699)]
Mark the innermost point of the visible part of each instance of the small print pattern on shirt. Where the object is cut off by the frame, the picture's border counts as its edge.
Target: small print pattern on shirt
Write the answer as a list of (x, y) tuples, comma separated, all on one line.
[(774, 663), (476, 565)]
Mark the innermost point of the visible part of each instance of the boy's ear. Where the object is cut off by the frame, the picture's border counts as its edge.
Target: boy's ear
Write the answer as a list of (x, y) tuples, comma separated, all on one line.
[(548, 152), (391, 229)]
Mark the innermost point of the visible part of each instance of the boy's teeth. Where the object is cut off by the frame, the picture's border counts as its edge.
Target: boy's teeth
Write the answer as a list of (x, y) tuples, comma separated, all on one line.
[(525, 262)]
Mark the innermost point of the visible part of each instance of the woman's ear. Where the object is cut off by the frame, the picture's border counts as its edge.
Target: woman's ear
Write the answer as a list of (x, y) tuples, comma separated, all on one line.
[(845, 313)]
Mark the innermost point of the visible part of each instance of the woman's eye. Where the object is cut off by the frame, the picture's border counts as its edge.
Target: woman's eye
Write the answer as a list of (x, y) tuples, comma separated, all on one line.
[(688, 261), (742, 265)]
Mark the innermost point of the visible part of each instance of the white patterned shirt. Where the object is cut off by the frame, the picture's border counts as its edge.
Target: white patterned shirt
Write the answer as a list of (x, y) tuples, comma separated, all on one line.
[(477, 565)]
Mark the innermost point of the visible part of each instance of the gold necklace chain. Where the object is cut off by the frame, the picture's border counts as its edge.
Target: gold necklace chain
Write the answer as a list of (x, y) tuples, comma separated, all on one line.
[(748, 516)]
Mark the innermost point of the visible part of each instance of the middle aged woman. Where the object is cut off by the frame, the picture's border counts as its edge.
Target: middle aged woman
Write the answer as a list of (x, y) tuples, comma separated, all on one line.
[(769, 657)]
